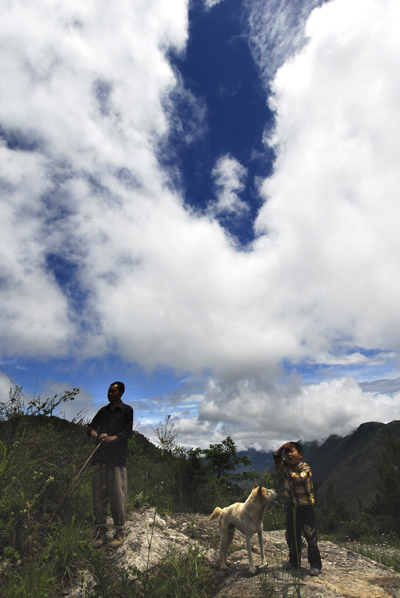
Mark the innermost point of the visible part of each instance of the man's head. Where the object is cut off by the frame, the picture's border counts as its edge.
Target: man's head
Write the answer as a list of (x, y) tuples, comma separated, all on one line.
[(294, 454), (115, 392)]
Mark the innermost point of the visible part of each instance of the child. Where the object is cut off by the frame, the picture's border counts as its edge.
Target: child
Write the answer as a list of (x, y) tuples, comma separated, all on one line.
[(300, 512)]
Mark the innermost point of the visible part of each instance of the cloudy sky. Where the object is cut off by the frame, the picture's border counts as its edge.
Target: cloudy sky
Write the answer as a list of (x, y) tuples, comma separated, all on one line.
[(201, 199)]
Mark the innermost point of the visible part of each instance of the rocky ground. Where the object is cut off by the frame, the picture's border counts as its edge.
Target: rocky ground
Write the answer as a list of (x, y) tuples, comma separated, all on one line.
[(345, 574)]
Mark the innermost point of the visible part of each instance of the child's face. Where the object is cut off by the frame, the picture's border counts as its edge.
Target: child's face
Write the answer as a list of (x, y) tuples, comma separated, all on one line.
[(292, 456)]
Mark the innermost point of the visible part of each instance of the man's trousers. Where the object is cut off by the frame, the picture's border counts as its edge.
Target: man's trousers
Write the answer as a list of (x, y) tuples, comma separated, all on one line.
[(109, 484)]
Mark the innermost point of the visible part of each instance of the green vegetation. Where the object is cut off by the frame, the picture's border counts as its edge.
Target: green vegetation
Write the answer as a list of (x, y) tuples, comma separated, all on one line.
[(379, 520), (385, 551), (350, 463), (46, 505)]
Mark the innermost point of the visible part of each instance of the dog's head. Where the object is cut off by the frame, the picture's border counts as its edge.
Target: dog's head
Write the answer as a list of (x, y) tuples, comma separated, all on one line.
[(263, 495)]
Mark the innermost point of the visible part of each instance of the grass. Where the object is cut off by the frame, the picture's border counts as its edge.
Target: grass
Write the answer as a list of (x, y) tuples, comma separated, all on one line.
[(46, 518), (46, 513), (178, 575), (382, 552)]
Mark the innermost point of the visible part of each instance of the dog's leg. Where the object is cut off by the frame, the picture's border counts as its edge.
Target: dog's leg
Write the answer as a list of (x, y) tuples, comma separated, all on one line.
[(227, 534), (261, 540), (252, 569), (229, 537), (224, 536)]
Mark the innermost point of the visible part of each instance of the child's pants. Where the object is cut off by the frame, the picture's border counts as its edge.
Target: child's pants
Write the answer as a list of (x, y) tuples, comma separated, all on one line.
[(298, 519)]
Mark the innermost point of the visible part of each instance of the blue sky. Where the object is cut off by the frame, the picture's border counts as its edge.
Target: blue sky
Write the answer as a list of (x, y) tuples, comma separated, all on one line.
[(202, 200)]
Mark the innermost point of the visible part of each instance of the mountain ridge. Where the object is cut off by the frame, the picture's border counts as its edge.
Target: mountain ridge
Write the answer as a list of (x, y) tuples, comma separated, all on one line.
[(349, 462)]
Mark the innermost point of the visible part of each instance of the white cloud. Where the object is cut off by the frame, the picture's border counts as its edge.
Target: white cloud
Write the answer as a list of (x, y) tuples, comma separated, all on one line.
[(229, 176), (81, 111), (332, 202), (163, 285), (210, 3), (257, 416), (277, 31), (5, 385), (85, 103)]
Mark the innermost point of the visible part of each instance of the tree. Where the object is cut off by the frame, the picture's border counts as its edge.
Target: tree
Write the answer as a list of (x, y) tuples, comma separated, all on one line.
[(386, 505), (221, 458)]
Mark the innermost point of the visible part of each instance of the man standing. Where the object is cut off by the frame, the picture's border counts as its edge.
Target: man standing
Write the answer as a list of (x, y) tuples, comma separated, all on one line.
[(111, 427)]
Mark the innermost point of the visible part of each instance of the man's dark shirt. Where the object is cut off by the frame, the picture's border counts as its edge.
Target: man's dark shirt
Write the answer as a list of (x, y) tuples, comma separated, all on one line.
[(116, 422)]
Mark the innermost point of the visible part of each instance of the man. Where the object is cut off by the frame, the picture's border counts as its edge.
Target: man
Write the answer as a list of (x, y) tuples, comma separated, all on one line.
[(111, 428)]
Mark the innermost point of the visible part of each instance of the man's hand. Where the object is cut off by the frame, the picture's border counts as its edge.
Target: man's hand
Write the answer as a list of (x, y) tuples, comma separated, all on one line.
[(93, 434), (106, 438)]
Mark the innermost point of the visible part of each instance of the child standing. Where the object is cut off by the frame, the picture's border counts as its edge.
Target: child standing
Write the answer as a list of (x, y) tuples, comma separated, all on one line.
[(300, 512)]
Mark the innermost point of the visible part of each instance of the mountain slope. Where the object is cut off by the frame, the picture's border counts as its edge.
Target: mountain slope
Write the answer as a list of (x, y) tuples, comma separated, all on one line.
[(349, 462)]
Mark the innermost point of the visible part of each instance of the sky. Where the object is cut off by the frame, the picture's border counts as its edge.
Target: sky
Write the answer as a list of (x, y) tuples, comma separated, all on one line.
[(201, 199)]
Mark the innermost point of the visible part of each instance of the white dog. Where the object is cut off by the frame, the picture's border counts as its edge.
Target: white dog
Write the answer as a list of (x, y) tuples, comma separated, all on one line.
[(248, 518)]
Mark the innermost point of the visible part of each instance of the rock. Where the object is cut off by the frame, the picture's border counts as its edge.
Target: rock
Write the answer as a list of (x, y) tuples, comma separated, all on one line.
[(345, 574)]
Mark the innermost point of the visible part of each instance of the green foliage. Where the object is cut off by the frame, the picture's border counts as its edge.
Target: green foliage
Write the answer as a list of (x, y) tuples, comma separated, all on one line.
[(333, 515), (386, 506), (16, 406), (350, 462), (39, 457), (222, 459), (174, 479), (275, 515), (166, 436)]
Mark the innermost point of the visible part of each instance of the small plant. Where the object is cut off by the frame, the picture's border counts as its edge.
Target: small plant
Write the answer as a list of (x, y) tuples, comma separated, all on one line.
[(166, 437)]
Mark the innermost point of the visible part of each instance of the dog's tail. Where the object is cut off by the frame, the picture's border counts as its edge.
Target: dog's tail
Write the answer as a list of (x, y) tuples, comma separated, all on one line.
[(216, 513)]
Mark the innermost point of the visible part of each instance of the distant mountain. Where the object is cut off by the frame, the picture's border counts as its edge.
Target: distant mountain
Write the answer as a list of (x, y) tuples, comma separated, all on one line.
[(349, 462), (260, 460)]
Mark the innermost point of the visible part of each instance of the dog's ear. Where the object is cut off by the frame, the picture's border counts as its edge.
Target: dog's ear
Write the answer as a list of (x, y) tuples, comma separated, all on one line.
[(255, 485), (260, 489)]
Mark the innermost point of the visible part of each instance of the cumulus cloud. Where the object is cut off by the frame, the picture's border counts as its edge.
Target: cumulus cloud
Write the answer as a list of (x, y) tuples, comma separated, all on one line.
[(101, 255), (80, 114), (265, 418), (229, 176), (331, 203)]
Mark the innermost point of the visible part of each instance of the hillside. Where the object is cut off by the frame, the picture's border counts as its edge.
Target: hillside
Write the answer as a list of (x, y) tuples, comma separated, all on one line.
[(349, 461), (45, 497)]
